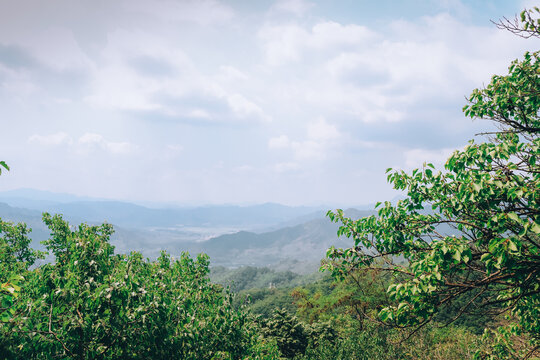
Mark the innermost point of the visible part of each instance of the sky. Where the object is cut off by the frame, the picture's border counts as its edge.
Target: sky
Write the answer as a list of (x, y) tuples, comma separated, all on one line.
[(208, 102)]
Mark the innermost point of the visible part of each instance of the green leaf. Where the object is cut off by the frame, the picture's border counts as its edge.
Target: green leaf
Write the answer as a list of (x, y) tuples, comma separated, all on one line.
[(4, 165), (535, 228), (513, 216)]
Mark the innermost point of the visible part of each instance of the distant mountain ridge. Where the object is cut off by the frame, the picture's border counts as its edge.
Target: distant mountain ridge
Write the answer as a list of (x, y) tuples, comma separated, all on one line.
[(306, 242), (233, 236), (136, 216), (43, 196)]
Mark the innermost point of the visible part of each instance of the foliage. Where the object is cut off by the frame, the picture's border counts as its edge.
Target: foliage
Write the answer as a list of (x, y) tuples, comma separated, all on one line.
[(321, 333), (15, 259), (9, 292), (357, 296), (377, 342), (92, 303), (16, 256), (264, 301), (338, 320), (3, 165), (480, 237), (260, 288), (526, 26), (250, 277), (360, 345), (287, 331)]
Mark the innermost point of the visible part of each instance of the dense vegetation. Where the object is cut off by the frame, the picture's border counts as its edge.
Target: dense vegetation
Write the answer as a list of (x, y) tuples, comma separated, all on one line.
[(92, 303), (478, 246), (329, 319), (450, 272)]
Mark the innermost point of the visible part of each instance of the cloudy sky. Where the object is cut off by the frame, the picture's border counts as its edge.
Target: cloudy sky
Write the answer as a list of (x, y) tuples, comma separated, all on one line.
[(208, 101)]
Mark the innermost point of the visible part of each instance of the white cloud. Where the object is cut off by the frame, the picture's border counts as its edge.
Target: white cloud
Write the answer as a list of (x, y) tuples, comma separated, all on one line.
[(166, 82), (296, 7), (90, 138), (280, 142), (245, 108), (92, 141), (18, 88), (243, 168), (171, 152), (322, 131), (231, 73), (120, 147), (51, 140), (386, 76), (286, 43), (57, 48), (202, 12), (85, 143), (333, 34), (117, 87), (200, 114), (285, 167), (282, 44), (117, 84), (457, 7), (321, 137), (309, 149), (176, 148)]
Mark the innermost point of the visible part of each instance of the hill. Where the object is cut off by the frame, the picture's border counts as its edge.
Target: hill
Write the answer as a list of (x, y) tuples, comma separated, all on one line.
[(305, 242), (298, 240)]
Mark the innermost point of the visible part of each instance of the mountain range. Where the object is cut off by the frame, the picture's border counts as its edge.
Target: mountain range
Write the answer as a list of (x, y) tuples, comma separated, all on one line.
[(233, 236)]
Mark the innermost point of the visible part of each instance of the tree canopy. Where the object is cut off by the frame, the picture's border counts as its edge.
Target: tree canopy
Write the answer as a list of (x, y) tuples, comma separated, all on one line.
[(91, 303), (468, 234)]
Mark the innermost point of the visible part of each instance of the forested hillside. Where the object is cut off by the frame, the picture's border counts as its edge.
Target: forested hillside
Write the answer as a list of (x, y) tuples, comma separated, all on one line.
[(299, 239)]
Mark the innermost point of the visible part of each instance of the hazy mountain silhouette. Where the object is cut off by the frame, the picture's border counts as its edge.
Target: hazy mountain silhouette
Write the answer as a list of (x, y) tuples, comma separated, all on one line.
[(292, 233)]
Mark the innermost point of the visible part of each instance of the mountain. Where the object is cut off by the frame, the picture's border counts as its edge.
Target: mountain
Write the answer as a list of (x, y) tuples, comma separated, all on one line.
[(306, 242), (37, 199), (130, 215), (233, 236)]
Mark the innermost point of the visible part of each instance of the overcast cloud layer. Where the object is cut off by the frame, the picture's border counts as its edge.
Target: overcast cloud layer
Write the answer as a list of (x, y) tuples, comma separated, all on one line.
[(210, 101)]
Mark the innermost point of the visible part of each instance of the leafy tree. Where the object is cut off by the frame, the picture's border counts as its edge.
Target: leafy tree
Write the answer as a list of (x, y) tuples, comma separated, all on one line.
[(357, 296), (249, 277), (472, 230), (15, 259), (287, 331), (264, 301), (94, 304)]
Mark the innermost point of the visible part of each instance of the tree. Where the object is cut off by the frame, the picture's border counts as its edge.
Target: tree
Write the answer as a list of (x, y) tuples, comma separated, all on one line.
[(287, 331), (472, 230), (15, 259), (356, 296), (94, 304)]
